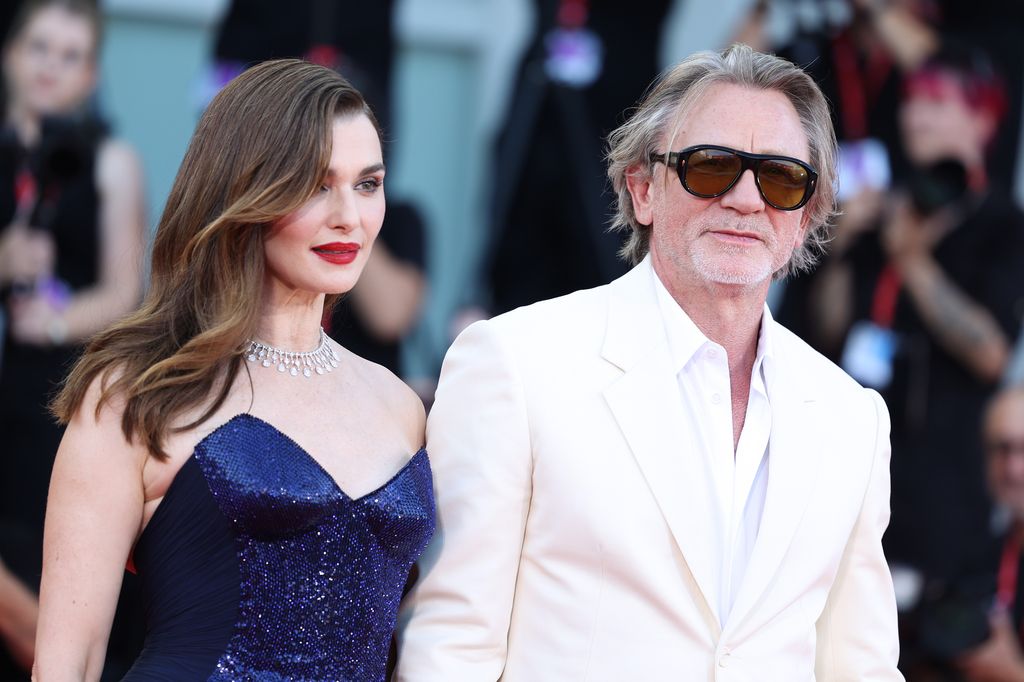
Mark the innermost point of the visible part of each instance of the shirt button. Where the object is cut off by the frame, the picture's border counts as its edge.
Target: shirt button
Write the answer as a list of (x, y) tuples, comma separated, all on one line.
[(715, 398), (723, 661), (712, 353)]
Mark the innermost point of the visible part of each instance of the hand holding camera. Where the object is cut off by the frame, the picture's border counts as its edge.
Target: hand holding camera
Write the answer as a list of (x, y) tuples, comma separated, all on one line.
[(999, 659)]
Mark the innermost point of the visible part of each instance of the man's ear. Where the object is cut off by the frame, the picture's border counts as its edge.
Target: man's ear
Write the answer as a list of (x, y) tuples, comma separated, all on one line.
[(640, 183)]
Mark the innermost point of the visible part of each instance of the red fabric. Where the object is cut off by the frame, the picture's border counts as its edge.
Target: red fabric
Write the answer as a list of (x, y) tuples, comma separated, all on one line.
[(859, 87), (573, 13), (1009, 564), (887, 292)]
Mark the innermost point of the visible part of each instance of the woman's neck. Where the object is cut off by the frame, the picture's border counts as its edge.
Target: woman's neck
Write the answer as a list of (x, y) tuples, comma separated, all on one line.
[(292, 324)]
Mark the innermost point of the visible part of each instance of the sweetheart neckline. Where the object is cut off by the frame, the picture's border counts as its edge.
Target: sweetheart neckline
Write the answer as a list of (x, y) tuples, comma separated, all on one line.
[(307, 455), (422, 452)]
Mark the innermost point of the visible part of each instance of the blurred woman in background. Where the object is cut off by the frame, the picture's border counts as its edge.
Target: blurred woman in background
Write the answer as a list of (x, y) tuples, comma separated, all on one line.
[(71, 245)]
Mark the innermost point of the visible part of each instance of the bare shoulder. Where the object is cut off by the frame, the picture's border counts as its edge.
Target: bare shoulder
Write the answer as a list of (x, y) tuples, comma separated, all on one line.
[(388, 390), (117, 163), (94, 432)]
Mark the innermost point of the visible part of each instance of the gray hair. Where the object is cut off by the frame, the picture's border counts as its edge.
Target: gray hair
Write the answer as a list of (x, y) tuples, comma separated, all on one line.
[(631, 144)]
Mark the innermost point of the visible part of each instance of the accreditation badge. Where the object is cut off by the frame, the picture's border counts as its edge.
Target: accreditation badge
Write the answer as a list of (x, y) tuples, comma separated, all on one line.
[(575, 56), (868, 354)]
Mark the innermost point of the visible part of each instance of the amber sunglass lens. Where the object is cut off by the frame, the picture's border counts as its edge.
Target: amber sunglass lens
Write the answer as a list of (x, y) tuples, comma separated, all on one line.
[(783, 183), (711, 171)]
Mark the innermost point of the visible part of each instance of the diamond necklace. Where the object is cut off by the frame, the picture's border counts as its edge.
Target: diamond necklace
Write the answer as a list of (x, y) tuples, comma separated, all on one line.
[(321, 359)]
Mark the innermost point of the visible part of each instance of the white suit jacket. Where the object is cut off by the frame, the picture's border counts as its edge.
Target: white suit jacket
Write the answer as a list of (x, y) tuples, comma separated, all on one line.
[(573, 541)]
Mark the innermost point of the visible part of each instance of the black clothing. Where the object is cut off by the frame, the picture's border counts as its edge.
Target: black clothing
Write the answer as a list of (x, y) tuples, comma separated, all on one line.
[(550, 199), (954, 615), (864, 90), (30, 375), (940, 508), (257, 30)]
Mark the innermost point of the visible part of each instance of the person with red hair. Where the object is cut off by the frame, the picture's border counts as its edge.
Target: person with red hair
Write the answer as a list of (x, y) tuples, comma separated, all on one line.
[(921, 297)]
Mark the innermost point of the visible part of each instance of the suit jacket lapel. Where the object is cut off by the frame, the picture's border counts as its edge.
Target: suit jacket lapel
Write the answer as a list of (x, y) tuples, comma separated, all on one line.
[(648, 409), (793, 461)]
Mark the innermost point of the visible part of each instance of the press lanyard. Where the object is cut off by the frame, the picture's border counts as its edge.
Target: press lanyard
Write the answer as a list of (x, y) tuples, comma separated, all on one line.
[(26, 191), (574, 55), (1009, 563), (887, 293), (572, 13), (857, 86)]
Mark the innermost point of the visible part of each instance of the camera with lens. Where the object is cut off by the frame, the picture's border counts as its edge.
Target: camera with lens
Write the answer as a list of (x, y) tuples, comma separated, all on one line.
[(937, 185), (63, 157), (954, 619)]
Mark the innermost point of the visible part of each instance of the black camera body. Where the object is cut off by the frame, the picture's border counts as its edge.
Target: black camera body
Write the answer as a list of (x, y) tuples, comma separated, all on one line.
[(937, 185)]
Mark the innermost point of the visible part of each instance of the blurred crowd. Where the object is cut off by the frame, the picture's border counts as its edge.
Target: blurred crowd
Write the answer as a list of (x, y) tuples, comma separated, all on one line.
[(919, 294)]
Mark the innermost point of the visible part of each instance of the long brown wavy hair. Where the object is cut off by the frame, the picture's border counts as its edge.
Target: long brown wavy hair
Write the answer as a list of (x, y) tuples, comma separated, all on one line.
[(260, 151)]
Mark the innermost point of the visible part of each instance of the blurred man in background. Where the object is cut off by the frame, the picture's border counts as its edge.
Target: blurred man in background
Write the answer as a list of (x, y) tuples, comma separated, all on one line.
[(1000, 657), (971, 629)]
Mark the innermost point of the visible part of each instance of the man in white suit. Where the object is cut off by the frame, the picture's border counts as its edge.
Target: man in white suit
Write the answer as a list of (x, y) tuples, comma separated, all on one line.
[(653, 480)]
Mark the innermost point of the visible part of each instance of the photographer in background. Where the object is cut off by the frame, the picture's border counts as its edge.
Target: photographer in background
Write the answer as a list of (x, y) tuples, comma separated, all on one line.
[(859, 50), (1000, 657), (971, 630), (922, 294), (71, 248)]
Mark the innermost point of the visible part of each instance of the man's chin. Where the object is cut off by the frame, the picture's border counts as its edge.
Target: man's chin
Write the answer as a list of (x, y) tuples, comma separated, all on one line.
[(730, 272)]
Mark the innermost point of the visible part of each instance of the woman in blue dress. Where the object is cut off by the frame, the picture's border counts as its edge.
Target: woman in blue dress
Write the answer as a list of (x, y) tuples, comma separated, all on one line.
[(269, 486)]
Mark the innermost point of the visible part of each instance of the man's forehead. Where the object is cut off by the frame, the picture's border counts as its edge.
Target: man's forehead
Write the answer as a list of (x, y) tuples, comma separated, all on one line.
[(746, 118), (1007, 412)]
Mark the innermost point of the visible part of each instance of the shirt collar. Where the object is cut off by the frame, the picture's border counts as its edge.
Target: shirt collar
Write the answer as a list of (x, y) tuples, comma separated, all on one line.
[(685, 339)]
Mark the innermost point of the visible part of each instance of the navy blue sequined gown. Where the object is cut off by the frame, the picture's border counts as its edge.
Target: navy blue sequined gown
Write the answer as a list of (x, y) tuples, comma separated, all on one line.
[(256, 566)]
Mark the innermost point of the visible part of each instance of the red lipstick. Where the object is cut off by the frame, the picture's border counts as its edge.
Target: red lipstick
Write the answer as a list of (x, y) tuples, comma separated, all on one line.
[(338, 253)]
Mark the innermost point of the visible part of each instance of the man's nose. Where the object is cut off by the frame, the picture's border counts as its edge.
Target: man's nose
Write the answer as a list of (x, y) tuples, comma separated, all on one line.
[(744, 195)]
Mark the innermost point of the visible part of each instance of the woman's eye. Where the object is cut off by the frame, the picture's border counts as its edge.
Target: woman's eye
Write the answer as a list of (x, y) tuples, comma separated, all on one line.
[(370, 184)]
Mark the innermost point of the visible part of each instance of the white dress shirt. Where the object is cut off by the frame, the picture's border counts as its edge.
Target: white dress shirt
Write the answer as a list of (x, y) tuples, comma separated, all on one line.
[(741, 476)]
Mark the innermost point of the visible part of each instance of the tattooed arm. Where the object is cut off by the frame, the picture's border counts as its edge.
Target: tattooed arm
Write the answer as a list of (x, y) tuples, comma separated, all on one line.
[(963, 326)]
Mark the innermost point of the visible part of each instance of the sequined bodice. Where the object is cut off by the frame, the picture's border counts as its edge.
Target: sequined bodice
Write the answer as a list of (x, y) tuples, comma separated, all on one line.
[(259, 561)]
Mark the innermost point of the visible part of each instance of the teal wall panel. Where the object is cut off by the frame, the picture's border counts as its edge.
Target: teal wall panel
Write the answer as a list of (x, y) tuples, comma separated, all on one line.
[(437, 161), (149, 73)]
